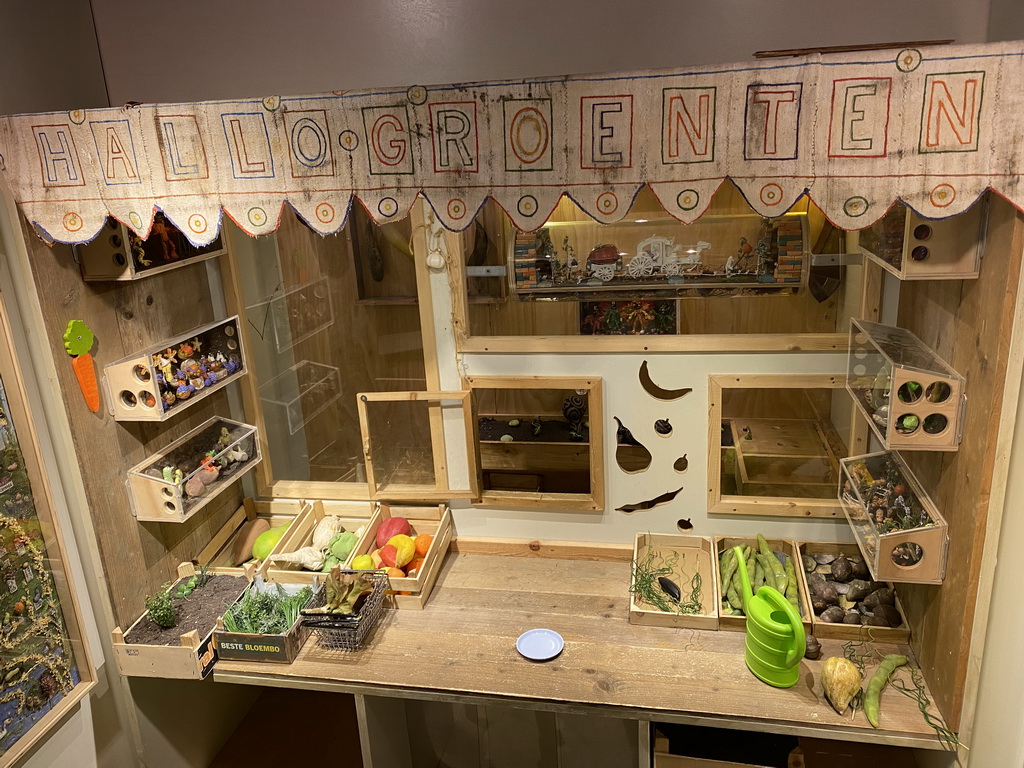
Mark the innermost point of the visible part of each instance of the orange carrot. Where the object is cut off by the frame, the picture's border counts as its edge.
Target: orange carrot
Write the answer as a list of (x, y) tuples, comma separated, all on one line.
[(85, 371)]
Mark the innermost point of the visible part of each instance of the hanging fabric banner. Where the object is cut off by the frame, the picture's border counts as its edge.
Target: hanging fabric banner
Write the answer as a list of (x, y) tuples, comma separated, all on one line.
[(934, 127)]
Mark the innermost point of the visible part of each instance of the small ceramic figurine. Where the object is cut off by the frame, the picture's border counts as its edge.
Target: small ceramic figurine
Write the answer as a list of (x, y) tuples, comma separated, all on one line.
[(184, 390), (232, 365), (169, 399), (225, 438), (195, 486), (165, 363)]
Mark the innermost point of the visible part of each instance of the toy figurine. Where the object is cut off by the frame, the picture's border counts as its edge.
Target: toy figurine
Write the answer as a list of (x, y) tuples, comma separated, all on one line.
[(233, 365), (169, 399), (165, 363), (184, 390), (225, 438)]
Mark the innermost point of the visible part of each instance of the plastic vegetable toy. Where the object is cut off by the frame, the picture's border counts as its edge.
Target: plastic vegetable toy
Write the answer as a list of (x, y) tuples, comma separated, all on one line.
[(877, 683), (78, 340)]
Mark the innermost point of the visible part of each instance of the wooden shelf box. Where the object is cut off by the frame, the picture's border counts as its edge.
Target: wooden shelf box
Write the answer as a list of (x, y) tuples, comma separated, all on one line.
[(828, 630), (689, 556), (915, 554), (433, 520), (133, 384), (914, 248), (911, 398), (789, 549), (160, 494), (353, 515), (119, 254), (228, 547), (191, 659), (244, 646)]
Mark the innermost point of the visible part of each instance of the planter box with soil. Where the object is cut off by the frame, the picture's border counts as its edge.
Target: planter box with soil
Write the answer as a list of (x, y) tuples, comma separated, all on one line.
[(184, 651)]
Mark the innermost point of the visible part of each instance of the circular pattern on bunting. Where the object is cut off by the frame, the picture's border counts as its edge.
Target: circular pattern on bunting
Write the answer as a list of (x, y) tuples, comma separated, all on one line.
[(77, 116), (416, 94), (271, 103), (197, 223), (72, 221), (456, 208), (325, 213), (135, 219), (527, 205), (908, 60), (856, 206), (607, 203), (388, 206), (942, 195), (348, 140), (257, 216), (771, 194), (688, 199)]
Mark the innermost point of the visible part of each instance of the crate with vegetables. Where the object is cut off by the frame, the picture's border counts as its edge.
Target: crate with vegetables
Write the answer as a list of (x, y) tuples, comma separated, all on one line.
[(318, 540), (174, 637), (345, 609), (845, 603), (769, 562), (672, 582), (899, 530), (250, 534), (410, 543), (265, 623)]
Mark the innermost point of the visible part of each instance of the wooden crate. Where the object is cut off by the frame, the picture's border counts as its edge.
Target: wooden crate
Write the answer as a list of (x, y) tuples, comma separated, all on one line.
[(282, 647), (824, 630), (156, 499), (434, 520), (131, 384), (118, 254), (914, 248), (665, 760), (893, 375), (739, 623), (219, 552), (191, 659), (353, 515), (880, 549), (696, 554)]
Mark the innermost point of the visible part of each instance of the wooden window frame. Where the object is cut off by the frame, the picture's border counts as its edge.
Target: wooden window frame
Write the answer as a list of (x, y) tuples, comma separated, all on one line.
[(440, 491), (56, 550), (252, 405), (868, 307), (593, 501), (771, 506)]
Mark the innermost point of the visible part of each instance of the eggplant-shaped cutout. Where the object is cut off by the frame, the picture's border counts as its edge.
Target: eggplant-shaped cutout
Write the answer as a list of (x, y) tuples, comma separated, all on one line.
[(681, 464), (630, 454), (684, 524), (662, 427), (655, 391), (665, 498)]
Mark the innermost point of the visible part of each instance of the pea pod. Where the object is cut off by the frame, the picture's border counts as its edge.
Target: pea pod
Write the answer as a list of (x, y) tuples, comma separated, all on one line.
[(734, 598), (791, 593), (728, 565), (877, 683), (769, 574), (758, 577)]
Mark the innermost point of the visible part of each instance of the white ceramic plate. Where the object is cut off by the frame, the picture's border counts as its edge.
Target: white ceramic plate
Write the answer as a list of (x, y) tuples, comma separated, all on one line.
[(540, 644)]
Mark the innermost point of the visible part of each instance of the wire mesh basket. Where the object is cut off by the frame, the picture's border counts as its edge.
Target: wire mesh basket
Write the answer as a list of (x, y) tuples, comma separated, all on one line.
[(351, 638)]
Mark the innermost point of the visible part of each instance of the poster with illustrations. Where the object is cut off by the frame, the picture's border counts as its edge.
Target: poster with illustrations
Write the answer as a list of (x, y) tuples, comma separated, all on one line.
[(37, 665)]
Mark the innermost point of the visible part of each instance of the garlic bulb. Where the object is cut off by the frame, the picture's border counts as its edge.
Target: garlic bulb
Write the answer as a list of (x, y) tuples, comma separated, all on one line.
[(326, 530), (841, 680), (310, 558)]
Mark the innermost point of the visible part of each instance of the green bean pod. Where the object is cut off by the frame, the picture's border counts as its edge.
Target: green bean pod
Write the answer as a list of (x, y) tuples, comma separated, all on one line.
[(769, 574), (877, 683), (791, 593), (758, 576), (728, 565)]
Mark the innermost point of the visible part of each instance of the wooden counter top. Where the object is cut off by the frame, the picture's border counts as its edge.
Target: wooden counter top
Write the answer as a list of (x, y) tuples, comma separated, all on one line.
[(461, 648)]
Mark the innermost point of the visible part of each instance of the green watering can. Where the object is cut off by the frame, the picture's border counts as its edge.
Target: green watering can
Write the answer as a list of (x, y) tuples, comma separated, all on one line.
[(775, 634)]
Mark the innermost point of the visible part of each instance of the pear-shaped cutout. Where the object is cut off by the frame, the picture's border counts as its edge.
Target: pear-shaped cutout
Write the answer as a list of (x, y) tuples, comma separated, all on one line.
[(681, 464), (630, 454)]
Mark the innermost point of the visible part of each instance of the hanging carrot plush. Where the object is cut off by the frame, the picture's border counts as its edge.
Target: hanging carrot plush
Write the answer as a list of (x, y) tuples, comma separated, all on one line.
[(78, 340)]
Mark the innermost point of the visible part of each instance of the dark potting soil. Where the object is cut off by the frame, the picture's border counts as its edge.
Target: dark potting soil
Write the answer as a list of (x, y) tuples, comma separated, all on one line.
[(198, 611), (551, 431)]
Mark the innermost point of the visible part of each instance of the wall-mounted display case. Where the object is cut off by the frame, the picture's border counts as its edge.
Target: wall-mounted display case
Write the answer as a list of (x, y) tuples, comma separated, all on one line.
[(899, 530), (192, 471), (915, 248), (117, 253), (912, 399), (162, 381)]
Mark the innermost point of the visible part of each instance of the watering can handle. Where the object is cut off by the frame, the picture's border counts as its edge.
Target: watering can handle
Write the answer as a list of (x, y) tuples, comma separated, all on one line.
[(781, 602)]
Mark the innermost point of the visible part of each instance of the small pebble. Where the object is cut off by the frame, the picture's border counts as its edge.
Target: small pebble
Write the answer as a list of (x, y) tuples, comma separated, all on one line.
[(506, 438)]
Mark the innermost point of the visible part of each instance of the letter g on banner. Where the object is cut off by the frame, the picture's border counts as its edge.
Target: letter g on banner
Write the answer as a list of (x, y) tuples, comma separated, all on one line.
[(387, 140)]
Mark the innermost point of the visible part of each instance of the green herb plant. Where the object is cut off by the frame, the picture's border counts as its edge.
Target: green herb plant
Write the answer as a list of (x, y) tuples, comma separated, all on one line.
[(269, 612), (198, 581), (160, 608), (644, 584)]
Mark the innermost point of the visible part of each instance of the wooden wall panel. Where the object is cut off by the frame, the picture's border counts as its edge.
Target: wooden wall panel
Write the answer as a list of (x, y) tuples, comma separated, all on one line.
[(969, 323), (138, 557)]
